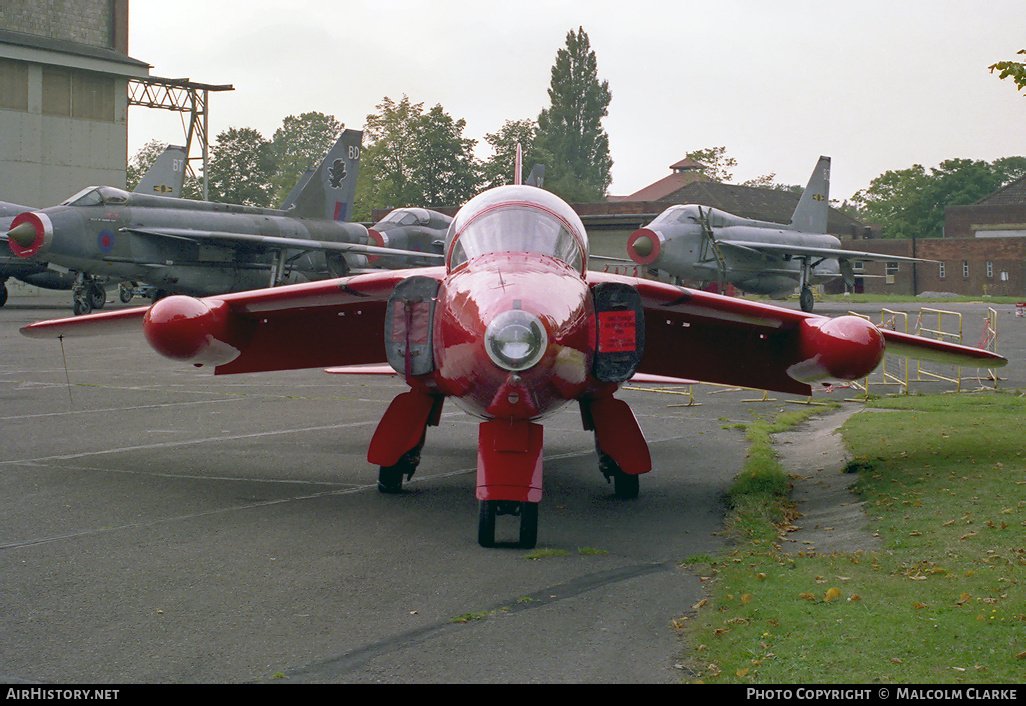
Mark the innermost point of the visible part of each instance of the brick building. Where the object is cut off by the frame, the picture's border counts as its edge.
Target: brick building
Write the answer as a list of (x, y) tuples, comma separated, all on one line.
[(982, 253)]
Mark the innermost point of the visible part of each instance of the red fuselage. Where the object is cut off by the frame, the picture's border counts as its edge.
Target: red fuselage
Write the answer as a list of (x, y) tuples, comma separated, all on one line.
[(479, 292)]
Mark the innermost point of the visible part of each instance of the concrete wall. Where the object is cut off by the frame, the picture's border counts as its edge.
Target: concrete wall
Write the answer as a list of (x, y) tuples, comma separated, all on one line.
[(45, 158)]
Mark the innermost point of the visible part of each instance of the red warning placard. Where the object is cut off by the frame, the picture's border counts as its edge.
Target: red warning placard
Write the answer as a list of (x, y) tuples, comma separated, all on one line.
[(616, 332)]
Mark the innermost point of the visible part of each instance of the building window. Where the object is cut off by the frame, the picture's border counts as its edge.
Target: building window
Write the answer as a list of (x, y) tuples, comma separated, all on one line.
[(858, 266), (13, 85), (965, 269), (990, 269), (941, 271), (83, 95), (92, 97)]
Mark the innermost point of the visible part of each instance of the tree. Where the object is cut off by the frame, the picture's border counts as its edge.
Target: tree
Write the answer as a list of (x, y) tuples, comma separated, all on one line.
[(498, 170), (386, 162), (910, 202), (301, 142), (413, 158), (241, 167), (570, 140), (1016, 70), (719, 165), (444, 170)]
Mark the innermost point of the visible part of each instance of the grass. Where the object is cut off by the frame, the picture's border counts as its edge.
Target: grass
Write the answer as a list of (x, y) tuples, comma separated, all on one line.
[(943, 601), (759, 498)]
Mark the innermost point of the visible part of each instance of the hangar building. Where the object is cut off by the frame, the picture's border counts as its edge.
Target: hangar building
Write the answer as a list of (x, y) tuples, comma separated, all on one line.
[(64, 71)]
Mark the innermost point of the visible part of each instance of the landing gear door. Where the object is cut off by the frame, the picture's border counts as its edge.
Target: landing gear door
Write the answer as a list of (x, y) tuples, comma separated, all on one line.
[(620, 327), (408, 326)]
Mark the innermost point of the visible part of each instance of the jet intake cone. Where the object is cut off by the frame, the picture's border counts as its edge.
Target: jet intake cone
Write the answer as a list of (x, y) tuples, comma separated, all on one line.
[(23, 234)]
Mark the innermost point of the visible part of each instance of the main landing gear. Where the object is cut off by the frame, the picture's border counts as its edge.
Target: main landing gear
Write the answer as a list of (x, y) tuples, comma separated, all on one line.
[(625, 485), (87, 294), (390, 478), (806, 300)]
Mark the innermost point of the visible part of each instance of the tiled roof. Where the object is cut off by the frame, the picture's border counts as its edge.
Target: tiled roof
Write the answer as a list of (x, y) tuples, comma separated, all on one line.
[(1013, 193), (666, 186)]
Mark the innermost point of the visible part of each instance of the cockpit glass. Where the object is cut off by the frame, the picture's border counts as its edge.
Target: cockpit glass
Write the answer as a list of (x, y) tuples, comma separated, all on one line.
[(680, 214), (517, 228), (404, 217), (97, 196)]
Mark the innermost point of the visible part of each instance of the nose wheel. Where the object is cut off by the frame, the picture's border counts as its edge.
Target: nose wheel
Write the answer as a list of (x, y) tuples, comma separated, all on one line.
[(488, 510)]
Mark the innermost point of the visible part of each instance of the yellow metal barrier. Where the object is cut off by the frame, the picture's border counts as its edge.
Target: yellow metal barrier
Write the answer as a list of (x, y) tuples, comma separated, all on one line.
[(940, 334)]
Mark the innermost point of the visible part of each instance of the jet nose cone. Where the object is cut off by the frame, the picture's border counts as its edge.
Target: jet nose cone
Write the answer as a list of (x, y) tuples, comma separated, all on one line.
[(643, 246), (24, 234), (30, 234)]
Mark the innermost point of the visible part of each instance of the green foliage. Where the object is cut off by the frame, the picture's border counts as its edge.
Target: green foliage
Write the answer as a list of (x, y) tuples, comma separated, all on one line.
[(719, 167), (241, 167), (570, 140), (300, 143), (1015, 70), (413, 158), (498, 169), (910, 202)]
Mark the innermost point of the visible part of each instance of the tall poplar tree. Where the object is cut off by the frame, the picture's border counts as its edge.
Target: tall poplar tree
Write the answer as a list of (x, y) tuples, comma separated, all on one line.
[(571, 141)]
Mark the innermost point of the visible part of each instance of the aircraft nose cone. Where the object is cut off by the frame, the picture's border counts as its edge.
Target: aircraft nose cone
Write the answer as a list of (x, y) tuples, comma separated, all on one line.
[(30, 234), (23, 234), (643, 246)]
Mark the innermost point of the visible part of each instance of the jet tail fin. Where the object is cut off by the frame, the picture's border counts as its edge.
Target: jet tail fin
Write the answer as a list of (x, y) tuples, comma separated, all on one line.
[(290, 200), (814, 206), (331, 189), (537, 176), (166, 175)]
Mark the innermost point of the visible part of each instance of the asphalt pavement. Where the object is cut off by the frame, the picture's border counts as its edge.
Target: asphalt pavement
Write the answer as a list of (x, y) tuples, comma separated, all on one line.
[(160, 524)]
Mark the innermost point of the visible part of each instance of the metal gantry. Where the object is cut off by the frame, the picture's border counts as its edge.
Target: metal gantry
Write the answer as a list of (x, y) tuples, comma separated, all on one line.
[(183, 96)]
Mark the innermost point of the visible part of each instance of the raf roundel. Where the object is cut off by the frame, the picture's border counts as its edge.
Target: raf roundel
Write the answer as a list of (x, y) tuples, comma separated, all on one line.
[(105, 241)]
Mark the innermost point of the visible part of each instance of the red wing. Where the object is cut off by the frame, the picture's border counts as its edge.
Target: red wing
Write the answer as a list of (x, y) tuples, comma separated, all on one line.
[(712, 338), (316, 324)]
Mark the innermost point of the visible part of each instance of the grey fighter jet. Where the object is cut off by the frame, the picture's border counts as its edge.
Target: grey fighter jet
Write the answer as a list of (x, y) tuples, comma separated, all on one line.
[(202, 248), (698, 243), (412, 229), (165, 176)]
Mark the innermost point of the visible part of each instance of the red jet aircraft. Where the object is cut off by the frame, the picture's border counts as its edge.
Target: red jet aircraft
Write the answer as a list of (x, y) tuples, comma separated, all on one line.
[(513, 328)]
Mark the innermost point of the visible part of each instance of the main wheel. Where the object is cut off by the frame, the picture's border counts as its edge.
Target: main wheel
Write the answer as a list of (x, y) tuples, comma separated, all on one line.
[(486, 523), (807, 300), (625, 485), (528, 525), (390, 478), (80, 304), (97, 296)]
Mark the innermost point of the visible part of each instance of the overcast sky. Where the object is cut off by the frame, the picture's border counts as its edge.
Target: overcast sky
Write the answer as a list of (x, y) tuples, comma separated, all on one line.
[(877, 85)]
